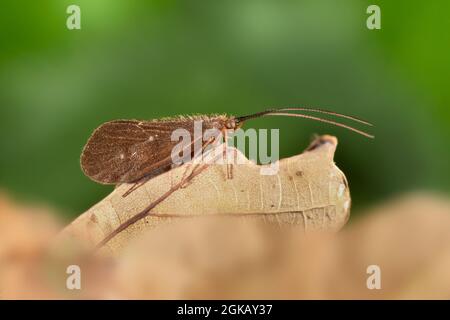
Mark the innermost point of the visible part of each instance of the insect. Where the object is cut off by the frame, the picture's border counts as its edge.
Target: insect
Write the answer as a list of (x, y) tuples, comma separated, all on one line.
[(132, 151), (128, 151)]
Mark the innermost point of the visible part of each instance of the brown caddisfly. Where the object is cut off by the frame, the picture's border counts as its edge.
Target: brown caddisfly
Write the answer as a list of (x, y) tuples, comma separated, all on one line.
[(124, 151), (131, 151)]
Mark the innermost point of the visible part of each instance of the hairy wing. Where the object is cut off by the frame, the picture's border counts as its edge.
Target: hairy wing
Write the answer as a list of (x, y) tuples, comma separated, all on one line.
[(126, 150)]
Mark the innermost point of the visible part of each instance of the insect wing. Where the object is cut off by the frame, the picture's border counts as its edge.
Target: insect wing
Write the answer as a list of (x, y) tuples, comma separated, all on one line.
[(126, 150)]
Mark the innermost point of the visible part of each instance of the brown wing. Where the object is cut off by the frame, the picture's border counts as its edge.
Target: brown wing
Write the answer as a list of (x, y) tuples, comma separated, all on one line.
[(125, 150)]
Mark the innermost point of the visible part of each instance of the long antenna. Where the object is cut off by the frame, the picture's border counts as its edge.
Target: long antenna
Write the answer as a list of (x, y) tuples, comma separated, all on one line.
[(340, 115), (276, 112)]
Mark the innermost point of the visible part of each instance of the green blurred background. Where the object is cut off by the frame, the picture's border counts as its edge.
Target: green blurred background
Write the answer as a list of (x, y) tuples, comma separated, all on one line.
[(147, 59)]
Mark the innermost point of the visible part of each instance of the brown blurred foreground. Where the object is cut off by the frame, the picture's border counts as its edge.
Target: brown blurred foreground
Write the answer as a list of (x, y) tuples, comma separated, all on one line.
[(408, 238)]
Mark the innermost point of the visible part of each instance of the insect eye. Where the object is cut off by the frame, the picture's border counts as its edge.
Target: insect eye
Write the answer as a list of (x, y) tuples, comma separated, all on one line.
[(230, 124)]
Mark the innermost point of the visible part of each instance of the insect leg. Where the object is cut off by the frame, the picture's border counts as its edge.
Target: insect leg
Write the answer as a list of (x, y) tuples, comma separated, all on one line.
[(137, 184), (164, 164), (225, 156), (160, 165), (196, 165), (197, 169)]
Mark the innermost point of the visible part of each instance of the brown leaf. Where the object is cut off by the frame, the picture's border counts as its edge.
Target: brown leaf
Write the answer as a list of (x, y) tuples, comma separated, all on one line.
[(309, 190), (408, 238), (25, 233), (227, 258)]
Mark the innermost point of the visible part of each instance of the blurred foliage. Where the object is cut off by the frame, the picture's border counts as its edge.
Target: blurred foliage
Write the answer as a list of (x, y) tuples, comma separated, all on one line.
[(147, 59)]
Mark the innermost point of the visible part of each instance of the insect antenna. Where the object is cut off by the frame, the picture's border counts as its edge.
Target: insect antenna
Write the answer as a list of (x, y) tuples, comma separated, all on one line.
[(279, 112), (333, 113)]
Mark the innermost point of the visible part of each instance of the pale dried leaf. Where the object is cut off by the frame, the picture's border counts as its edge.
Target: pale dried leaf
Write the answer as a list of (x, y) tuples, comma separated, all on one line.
[(309, 190), (408, 238), (25, 233)]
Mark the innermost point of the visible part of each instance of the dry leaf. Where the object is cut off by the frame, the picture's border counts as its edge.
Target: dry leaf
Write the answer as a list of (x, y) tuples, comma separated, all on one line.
[(217, 259), (25, 233), (228, 258), (309, 191), (409, 239)]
